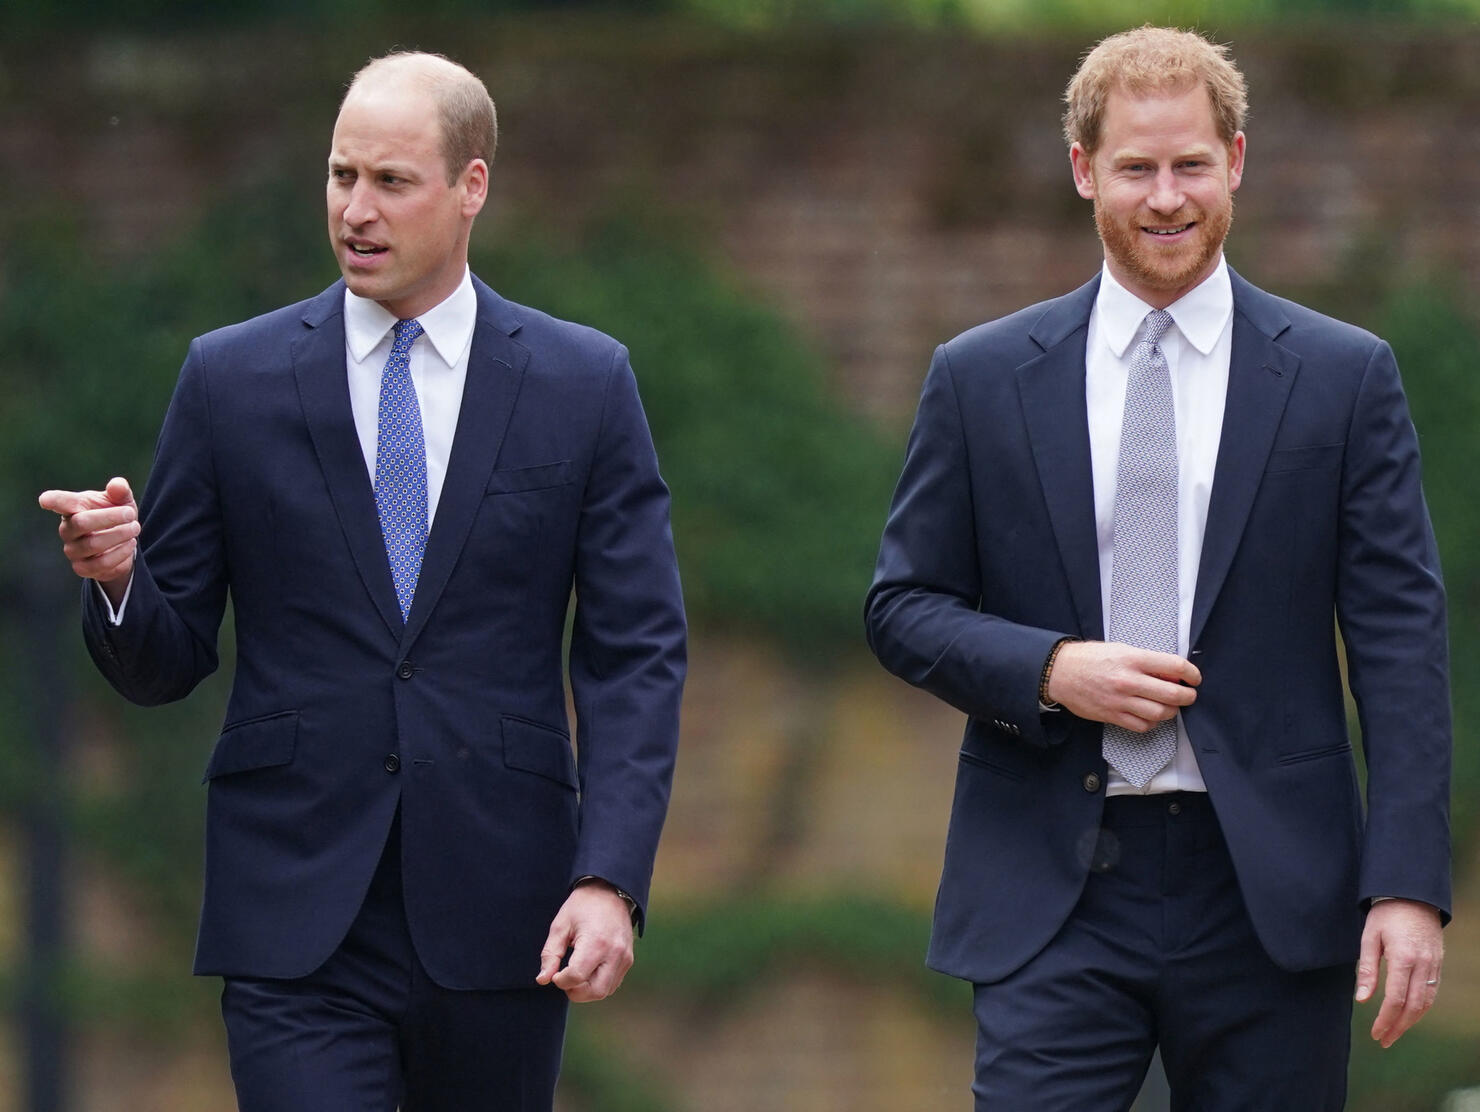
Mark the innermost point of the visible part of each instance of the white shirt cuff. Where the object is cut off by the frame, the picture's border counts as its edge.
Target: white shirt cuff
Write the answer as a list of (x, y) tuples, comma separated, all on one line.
[(115, 617)]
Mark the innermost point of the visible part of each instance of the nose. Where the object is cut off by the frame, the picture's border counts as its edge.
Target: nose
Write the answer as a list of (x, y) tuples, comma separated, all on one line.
[(1166, 192), (359, 209)]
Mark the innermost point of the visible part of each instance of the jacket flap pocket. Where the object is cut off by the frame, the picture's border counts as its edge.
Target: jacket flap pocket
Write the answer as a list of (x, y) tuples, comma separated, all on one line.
[(255, 743), (998, 767), (1338, 749), (1304, 459), (542, 750), (529, 478)]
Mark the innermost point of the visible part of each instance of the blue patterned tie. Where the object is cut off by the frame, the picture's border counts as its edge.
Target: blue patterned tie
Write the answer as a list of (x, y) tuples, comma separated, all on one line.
[(401, 467), (1143, 577)]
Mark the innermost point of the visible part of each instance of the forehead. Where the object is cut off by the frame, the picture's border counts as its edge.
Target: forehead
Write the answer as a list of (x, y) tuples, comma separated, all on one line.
[(1140, 122), (387, 122)]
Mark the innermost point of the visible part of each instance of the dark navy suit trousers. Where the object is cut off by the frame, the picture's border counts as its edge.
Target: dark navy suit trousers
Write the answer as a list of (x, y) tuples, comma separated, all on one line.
[(1160, 951), (369, 1031)]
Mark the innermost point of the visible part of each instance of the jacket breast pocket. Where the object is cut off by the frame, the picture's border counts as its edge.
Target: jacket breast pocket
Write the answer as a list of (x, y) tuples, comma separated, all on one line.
[(516, 480), (518, 503), (263, 742), (1315, 457)]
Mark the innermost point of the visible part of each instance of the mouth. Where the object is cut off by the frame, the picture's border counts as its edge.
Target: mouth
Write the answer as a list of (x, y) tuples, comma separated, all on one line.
[(1178, 230), (361, 254)]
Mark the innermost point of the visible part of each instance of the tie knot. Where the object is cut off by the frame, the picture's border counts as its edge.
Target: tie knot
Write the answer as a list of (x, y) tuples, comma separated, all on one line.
[(406, 333), (1157, 323)]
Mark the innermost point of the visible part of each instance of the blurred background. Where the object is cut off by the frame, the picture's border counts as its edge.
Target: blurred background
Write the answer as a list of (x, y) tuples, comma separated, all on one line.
[(781, 206)]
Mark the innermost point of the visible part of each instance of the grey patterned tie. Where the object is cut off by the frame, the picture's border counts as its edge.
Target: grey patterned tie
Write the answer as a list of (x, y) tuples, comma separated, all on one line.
[(1143, 580)]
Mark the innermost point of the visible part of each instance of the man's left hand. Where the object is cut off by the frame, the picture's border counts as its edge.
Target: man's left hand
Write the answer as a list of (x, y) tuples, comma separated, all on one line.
[(1407, 936), (594, 926)]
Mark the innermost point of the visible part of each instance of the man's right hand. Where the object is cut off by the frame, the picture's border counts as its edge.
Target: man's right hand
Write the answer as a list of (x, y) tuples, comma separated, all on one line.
[(1106, 681), (99, 531)]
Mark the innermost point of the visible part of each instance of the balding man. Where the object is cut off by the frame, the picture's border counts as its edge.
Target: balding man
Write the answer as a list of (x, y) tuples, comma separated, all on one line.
[(400, 483)]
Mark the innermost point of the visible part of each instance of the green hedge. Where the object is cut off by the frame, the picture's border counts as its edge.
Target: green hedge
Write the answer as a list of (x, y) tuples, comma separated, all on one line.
[(778, 493), (981, 15)]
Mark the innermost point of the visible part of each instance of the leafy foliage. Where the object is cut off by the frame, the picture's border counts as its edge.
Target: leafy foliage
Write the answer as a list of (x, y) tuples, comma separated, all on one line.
[(94, 356), (1438, 348), (1413, 1076), (602, 1080), (985, 15), (716, 954), (778, 496)]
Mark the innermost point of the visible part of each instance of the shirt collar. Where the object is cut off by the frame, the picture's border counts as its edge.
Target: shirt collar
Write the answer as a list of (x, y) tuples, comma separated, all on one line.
[(448, 326), (1200, 314)]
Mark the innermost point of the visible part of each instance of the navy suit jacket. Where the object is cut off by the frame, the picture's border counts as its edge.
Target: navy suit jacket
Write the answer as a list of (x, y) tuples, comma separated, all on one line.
[(1316, 518), (340, 712)]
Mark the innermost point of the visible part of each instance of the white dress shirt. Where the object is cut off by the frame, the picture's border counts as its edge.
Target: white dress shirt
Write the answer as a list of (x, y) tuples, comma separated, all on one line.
[(439, 367), (1197, 349)]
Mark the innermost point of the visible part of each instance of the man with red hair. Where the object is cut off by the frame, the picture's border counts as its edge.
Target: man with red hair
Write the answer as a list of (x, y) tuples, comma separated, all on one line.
[(1129, 522)]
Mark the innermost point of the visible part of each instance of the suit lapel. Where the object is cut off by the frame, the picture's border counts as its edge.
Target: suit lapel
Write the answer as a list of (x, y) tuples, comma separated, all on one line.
[(1051, 389), (496, 365), (1260, 375), (323, 391)]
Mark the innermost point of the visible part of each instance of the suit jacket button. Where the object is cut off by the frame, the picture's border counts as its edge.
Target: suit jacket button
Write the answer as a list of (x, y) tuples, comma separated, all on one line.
[(392, 763), (1091, 781), (405, 671)]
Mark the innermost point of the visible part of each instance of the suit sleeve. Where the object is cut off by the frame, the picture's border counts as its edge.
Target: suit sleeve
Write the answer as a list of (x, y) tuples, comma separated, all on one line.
[(628, 648), (166, 641), (922, 615), (1391, 608)]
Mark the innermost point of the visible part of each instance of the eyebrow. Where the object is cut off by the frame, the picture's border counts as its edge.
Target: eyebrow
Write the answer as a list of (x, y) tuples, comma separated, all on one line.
[(1191, 152), (396, 169)]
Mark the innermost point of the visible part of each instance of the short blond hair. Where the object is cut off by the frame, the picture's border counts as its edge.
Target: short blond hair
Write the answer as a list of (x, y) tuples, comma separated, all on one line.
[(468, 120), (1148, 60)]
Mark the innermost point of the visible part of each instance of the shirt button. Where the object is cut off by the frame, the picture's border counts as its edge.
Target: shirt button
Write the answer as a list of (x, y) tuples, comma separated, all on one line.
[(392, 763), (405, 671), (1091, 781)]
